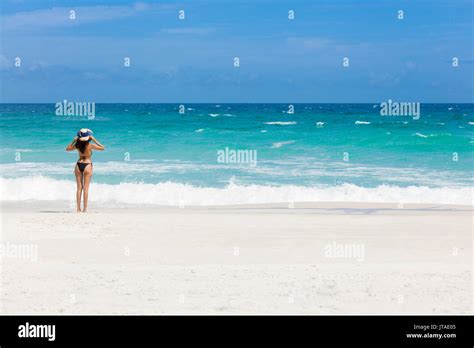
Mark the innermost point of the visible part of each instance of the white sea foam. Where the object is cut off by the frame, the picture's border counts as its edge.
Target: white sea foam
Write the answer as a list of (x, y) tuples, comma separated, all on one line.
[(320, 124), (282, 143), (200, 130), (174, 194), (281, 123), (421, 135), (361, 122), (214, 115)]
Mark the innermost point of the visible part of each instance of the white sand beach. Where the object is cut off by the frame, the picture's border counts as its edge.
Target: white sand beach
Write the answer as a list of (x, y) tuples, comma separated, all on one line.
[(326, 258)]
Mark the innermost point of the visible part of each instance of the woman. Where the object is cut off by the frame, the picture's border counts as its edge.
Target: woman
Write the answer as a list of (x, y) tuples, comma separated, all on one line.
[(83, 170)]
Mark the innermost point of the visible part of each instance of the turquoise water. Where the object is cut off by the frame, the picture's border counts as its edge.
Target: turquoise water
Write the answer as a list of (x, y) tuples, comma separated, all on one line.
[(319, 147)]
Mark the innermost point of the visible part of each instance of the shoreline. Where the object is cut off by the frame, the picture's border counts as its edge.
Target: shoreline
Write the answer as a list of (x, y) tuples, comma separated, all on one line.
[(64, 206), (170, 193)]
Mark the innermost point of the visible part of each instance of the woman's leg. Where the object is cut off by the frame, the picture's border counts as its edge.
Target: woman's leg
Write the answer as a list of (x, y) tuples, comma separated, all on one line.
[(87, 180), (79, 176)]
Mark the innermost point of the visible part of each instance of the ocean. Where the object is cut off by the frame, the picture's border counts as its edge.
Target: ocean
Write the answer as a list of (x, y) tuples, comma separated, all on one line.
[(215, 154)]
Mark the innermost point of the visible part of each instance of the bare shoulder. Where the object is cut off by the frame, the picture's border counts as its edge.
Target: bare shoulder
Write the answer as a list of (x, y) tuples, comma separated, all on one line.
[(97, 147)]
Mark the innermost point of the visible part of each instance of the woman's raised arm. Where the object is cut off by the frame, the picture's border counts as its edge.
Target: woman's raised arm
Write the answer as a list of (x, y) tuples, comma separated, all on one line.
[(71, 146), (97, 145)]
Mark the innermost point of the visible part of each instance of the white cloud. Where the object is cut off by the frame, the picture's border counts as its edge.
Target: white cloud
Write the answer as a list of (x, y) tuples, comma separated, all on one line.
[(308, 42), (59, 16), (5, 63), (188, 30)]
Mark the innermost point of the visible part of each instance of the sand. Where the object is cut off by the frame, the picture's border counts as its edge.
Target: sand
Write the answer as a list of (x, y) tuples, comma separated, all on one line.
[(327, 258)]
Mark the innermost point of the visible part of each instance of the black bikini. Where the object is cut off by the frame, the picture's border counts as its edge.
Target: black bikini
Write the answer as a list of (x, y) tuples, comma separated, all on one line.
[(82, 166)]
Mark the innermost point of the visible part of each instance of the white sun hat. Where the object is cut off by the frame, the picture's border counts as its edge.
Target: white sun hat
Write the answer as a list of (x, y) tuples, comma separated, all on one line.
[(84, 134)]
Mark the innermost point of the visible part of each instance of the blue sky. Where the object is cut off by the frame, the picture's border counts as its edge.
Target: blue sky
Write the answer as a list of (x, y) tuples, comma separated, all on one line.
[(281, 60)]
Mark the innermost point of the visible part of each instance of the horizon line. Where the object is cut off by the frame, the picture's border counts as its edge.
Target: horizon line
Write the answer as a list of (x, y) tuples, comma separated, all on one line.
[(284, 103)]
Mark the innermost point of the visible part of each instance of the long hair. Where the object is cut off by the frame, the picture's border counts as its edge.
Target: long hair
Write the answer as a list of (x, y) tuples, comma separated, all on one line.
[(81, 145)]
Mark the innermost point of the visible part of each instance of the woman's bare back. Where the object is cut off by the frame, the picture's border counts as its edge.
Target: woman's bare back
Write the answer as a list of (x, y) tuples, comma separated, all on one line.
[(85, 157)]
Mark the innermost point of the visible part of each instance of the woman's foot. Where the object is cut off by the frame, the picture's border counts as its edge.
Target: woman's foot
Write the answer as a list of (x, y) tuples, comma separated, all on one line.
[(78, 210), (84, 211)]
